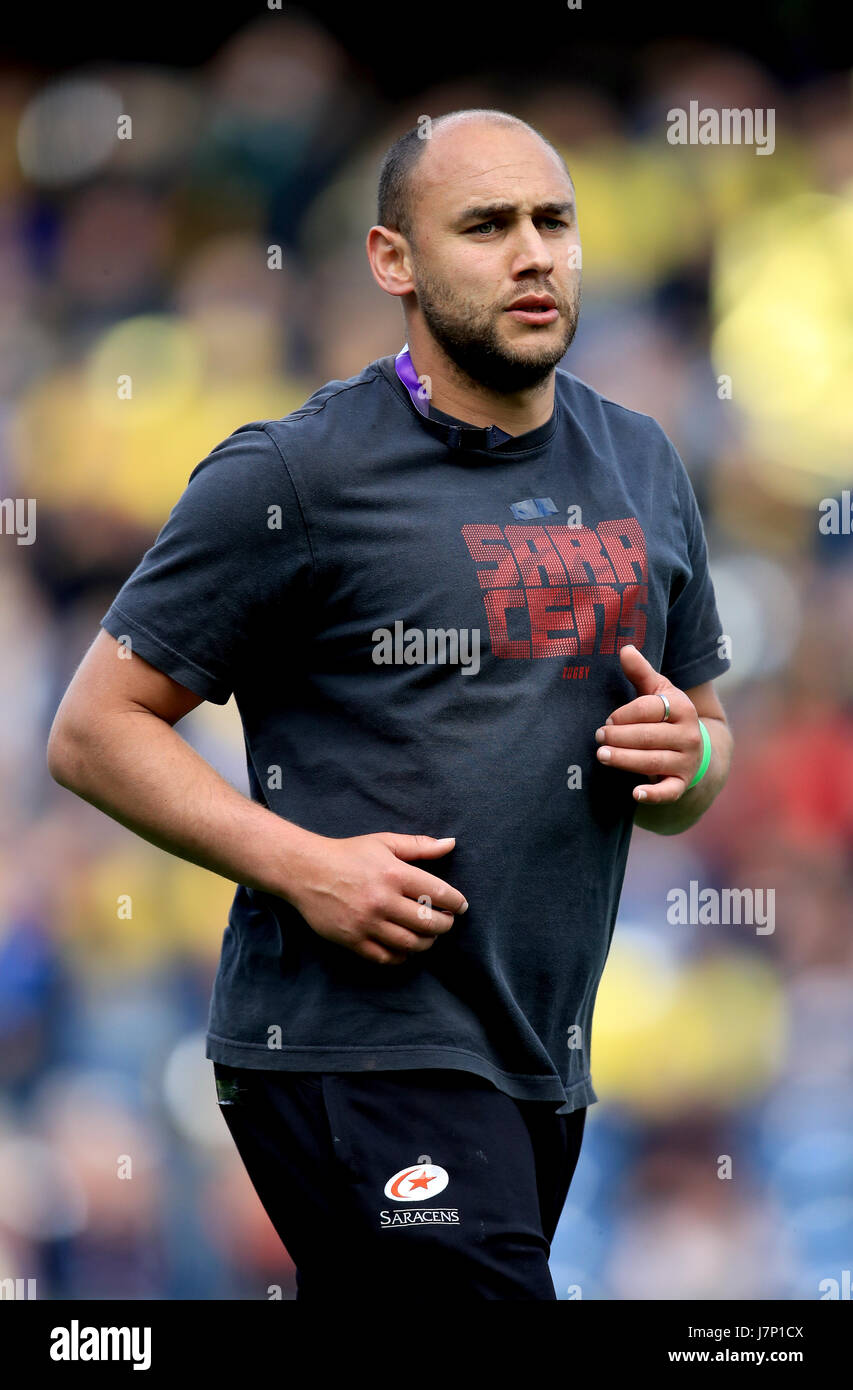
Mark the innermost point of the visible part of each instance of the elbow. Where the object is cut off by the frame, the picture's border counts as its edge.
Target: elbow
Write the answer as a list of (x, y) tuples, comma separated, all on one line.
[(61, 759)]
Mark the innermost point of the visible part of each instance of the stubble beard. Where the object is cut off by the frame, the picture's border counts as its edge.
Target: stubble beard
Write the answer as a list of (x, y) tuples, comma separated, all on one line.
[(470, 339)]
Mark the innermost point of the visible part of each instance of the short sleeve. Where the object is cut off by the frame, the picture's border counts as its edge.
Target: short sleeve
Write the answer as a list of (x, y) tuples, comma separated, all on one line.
[(231, 565), (695, 649)]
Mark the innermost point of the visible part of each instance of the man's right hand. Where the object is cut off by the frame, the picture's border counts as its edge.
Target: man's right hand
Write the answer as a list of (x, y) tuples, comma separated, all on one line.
[(113, 743), (362, 893)]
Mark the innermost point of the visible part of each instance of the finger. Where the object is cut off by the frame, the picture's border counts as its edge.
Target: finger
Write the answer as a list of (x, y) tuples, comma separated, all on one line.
[(668, 789), (417, 846), (418, 883), (651, 762), (395, 938), (372, 950), (679, 738), (649, 709), (638, 669), (422, 917)]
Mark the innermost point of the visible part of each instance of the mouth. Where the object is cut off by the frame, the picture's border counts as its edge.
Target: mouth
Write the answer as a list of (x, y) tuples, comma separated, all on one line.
[(534, 308)]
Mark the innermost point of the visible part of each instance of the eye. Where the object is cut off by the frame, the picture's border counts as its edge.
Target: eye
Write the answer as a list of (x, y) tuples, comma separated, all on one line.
[(556, 221), (480, 225)]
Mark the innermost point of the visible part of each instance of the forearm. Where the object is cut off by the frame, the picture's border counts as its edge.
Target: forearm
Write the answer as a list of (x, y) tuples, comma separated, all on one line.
[(138, 770), (671, 817)]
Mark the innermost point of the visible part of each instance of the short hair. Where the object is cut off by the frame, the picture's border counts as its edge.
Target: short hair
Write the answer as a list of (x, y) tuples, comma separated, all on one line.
[(395, 201)]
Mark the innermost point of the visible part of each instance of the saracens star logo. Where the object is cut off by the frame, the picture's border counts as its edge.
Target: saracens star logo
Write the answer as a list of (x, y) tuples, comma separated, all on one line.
[(416, 1184)]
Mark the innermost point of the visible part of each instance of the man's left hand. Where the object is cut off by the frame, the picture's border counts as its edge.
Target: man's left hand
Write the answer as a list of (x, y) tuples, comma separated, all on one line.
[(637, 738)]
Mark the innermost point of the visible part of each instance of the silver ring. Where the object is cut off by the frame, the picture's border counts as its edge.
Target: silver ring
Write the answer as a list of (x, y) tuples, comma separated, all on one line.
[(665, 706)]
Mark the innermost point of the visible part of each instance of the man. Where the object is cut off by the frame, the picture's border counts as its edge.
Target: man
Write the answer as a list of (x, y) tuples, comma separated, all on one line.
[(463, 604)]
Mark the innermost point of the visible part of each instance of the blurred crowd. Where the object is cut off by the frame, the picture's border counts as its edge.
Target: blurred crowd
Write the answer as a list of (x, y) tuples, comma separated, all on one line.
[(213, 253)]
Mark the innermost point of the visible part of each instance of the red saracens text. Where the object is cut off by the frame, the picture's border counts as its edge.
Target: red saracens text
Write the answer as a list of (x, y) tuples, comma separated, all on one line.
[(580, 589)]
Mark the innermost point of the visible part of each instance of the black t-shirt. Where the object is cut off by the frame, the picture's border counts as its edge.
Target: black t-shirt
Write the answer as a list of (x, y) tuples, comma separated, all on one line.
[(420, 622)]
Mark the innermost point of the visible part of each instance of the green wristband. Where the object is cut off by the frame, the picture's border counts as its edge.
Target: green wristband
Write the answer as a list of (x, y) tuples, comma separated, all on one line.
[(706, 757)]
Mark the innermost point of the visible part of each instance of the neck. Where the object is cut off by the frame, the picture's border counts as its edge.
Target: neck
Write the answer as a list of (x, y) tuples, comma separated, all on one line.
[(457, 395)]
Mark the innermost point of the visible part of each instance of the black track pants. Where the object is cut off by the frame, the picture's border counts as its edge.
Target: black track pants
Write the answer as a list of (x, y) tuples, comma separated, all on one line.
[(396, 1184)]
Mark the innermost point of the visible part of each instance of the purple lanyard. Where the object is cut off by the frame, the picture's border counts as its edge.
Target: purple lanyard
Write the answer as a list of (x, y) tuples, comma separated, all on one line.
[(420, 400), (409, 377)]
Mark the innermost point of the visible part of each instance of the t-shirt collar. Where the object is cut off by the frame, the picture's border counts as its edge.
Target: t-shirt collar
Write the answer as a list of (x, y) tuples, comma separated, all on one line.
[(457, 433)]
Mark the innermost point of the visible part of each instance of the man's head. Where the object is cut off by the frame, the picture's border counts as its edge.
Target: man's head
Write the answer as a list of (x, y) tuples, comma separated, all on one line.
[(476, 213)]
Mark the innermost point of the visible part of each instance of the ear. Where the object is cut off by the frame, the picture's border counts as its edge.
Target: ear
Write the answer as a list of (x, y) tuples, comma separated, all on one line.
[(390, 260)]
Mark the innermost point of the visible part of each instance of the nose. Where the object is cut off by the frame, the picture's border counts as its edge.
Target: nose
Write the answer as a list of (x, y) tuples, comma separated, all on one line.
[(532, 252)]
